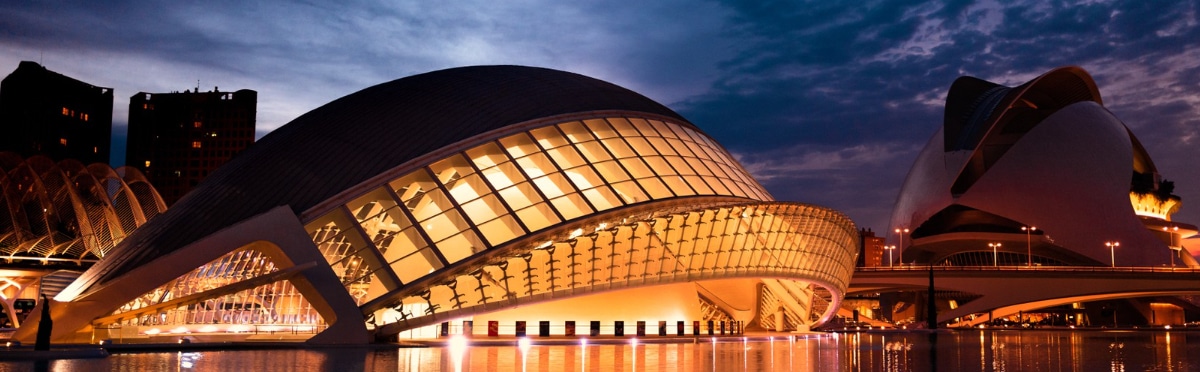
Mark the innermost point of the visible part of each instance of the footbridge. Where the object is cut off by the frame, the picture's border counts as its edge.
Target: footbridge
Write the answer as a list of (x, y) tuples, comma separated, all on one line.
[(1006, 290)]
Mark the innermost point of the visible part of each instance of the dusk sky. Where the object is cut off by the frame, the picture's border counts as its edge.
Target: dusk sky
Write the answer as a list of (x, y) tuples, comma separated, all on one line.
[(825, 102)]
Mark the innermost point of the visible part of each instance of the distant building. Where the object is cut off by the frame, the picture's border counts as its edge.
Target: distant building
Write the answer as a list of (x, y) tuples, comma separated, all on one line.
[(177, 139), (870, 249), (46, 113)]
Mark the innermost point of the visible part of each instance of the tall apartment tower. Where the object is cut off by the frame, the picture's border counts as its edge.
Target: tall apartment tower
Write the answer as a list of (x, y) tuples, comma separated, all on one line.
[(46, 113), (870, 253), (177, 139)]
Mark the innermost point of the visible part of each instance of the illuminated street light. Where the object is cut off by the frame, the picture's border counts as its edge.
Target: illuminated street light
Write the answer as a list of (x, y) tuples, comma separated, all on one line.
[(1029, 246), (889, 248), (902, 232), (1174, 230), (1112, 251), (995, 255)]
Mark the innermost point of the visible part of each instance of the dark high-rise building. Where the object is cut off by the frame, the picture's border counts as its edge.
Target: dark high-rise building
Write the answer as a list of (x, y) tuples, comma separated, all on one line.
[(871, 247), (177, 139), (46, 113)]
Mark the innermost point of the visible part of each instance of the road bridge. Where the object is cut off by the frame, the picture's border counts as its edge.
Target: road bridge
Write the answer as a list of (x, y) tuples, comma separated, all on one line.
[(1006, 290)]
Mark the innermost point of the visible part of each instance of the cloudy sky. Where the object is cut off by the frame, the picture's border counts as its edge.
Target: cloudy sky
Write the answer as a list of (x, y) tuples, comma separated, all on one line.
[(826, 102)]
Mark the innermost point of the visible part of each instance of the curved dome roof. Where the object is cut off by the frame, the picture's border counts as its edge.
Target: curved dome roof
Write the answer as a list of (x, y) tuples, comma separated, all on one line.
[(356, 137)]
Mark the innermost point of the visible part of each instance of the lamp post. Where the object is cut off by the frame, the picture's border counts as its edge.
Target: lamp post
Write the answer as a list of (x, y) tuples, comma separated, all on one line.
[(889, 248), (1112, 251), (995, 254), (902, 232), (1028, 244), (1171, 242)]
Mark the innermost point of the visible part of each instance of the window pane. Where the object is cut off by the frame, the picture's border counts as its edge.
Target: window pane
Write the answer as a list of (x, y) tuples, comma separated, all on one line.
[(576, 132), (583, 178), (503, 175), (566, 157), (452, 168), (642, 147), (659, 165), (500, 230), (663, 129), (680, 165), (623, 127), (487, 155), (618, 148), (637, 168), (460, 246), (611, 171), (678, 185), (484, 209), (655, 188), (538, 217), (600, 128), (548, 137), (446, 224), (520, 196), (593, 151), (416, 265), (467, 188), (661, 145), (629, 192), (680, 147), (699, 185), (553, 185), (602, 198), (698, 166), (429, 204), (717, 186), (401, 244), (644, 127), (519, 145), (571, 206), (536, 165)]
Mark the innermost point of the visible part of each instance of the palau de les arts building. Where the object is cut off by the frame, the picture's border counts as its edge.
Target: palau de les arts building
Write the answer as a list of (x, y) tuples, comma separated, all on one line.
[(493, 193), (1046, 172)]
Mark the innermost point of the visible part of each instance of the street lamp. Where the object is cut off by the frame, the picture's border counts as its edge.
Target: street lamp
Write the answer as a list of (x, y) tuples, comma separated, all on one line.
[(1028, 245), (995, 255), (1171, 242), (1112, 251), (889, 248), (902, 232)]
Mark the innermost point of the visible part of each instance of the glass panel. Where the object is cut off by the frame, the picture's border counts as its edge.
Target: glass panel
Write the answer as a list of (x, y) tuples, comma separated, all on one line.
[(699, 185), (458, 247), (637, 168), (600, 128), (538, 217), (443, 225), (484, 209), (452, 168), (584, 178), (553, 185), (501, 230), (520, 196), (659, 165), (566, 157), (643, 127), (503, 175), (661, 145), (467, 188), (623, 127), (680, 165), (663, 129), (629, 192), (717, 186), (655, 188), (576, 132), (416, 265), (371, 205), (548, 137), (642, 147), (487, 155), (402, 243), (680, 147), (678, 185), (611, 171), (698, 166), (536, 165), (593, 151), (519, 145), (602, 198), (618, 148), (571, 206)]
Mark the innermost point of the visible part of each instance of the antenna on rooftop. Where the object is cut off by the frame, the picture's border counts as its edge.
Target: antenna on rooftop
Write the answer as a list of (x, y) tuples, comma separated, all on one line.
[(197, 85)]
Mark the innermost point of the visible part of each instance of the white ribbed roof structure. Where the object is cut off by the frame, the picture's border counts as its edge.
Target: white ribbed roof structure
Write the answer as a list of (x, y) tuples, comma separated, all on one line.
[(460, 193)]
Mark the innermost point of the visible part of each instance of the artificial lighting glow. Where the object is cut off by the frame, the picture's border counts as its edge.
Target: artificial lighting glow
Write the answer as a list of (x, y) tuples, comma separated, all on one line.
[(523, 344), (153, 331), (575, 234), (633, 342), (208, 329), (180, 330)]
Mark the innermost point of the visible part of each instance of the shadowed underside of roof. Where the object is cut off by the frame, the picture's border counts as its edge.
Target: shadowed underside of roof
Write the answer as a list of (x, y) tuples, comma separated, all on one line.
[(354, 138)]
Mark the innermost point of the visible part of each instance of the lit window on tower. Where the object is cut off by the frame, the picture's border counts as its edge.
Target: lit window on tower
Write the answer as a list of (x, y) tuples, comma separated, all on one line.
[(195, 144)]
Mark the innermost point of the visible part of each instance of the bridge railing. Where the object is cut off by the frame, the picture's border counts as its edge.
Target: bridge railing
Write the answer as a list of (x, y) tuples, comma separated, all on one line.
[(1124, 269)]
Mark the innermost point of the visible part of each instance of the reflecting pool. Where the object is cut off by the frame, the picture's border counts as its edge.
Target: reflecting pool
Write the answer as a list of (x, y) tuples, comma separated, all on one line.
[(947, 351)]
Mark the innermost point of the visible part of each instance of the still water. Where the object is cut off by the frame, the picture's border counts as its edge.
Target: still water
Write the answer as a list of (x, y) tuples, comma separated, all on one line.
[(951, 351)]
